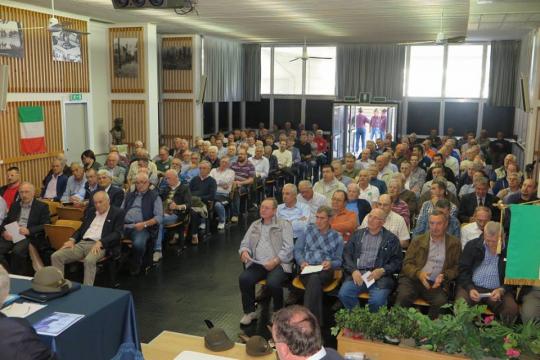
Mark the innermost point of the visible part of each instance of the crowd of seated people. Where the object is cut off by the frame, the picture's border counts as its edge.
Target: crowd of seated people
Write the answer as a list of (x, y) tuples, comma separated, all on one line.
[(417, 218)]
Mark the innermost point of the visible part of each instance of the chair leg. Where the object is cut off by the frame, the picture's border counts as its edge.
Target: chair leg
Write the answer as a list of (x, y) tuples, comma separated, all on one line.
[(113, 273)]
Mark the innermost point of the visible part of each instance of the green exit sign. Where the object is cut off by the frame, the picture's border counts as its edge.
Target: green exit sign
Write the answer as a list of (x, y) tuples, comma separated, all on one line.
[(75, 97)]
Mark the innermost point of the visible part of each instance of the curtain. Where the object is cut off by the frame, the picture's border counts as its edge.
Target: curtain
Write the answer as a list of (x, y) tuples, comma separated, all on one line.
[(223, 61), (252, 72), (503, 72), (377, 69)]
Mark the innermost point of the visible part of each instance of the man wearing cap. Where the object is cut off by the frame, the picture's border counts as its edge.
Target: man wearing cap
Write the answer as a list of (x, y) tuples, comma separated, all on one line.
[(19, 339), (267, 252), (297, 335), (101, 231)]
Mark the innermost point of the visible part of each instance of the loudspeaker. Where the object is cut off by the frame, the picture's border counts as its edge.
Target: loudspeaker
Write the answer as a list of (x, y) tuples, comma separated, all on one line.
[(161, 4), (4, 75), (202, 90)]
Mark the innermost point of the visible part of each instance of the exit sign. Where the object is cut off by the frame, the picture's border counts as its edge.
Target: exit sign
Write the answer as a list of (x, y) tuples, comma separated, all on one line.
[(75, 97)]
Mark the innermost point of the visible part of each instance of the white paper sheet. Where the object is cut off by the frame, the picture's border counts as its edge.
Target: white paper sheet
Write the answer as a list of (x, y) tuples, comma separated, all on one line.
[(365, 278), (192, 355), (56, 323), (310, 269), (13, 230), (22, 310)]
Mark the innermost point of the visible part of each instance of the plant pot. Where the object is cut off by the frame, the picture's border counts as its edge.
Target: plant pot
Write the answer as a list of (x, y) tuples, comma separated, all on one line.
[(352, 334)]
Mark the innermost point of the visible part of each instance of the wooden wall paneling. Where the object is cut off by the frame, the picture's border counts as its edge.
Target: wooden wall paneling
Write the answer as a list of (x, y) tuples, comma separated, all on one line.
[(36, 71), (177, 120), (134, 114), (177, 81), (128, 84)]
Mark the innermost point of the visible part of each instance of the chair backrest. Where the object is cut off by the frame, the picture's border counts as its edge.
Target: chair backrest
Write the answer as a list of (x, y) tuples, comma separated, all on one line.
[(58, 234), (74, 224), (70, 213), (53, 206)]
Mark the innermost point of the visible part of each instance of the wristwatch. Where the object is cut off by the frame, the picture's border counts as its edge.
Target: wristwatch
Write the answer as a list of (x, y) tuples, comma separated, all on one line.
[(144, 225)]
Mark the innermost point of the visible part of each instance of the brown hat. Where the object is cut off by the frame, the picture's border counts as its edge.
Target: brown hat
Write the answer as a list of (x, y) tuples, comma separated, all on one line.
[(50, 280), (217, 340), (258, 346)]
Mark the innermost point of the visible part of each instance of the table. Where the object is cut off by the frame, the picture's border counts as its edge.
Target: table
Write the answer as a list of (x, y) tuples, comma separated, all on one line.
[(168, 344), (109, 322)]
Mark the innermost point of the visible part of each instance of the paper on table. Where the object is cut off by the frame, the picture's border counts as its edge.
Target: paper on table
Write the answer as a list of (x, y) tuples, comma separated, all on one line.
[(21, 310), (192, 355), (13, 230), (310, 269), (365, 278), (56, 323)]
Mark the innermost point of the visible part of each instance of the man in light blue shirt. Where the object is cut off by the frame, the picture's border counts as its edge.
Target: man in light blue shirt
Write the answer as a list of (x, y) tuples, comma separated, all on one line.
[(75, 190), (292, 210)]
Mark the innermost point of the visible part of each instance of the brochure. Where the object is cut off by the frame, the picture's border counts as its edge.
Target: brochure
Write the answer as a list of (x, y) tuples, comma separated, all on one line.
[(56, 323)]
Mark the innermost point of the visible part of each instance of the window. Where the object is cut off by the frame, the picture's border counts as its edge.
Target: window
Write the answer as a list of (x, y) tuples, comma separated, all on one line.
[(287, 74), (321, 73), (485, 93), (464, 71), (425, 71), (265, 69)]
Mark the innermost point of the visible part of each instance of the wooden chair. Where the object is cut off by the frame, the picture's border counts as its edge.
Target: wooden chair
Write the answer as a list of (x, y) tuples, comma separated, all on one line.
[(58, 234), (75, 224), (53, 206), (338, 275), (70, 213)]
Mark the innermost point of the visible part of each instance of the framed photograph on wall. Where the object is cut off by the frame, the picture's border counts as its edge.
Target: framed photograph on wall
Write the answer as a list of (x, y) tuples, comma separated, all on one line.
[(66, 46), (125, 57), (176, 58), (11, 39)]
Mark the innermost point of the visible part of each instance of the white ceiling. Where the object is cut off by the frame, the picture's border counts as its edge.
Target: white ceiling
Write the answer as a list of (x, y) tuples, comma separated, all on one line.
[(286, 21)]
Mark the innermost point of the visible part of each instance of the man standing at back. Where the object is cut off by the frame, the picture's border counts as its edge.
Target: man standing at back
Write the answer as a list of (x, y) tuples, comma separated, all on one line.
[(360, 120)]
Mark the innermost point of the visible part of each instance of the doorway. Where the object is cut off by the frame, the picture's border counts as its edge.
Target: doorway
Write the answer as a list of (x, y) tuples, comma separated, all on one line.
[(76, 134)]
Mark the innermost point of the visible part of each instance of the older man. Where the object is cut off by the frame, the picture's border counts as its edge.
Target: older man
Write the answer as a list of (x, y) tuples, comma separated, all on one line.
[(244, 176), (328, 184), (118, 173), (91, 184), (75, 191), (30, 216), (430, 264), (310, 198), (480, 197), (292, 210), (116, 194), (224, 180), (393, 222), (338, 172), (212, 157), (415, 176), (319, 244), (55, 183), (344, 221), (163, 161), (355, 204), (267, 252), (399, 206), (368, 192), (375, 254), (481, 274), (474, 230), (144, 212), (100, 232), (203, 188)]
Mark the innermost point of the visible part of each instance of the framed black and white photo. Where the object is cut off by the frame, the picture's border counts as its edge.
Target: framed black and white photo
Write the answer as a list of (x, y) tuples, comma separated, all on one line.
[(176, 58), (125, 57), (11, 39), (66, 46)]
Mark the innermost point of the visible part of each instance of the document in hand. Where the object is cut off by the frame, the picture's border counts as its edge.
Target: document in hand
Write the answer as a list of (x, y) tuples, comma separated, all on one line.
[(365, 277), (312, 269), (13, 230)]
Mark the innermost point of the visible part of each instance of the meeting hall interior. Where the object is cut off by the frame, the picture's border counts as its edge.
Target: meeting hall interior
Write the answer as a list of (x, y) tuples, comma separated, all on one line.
[(262, 179)]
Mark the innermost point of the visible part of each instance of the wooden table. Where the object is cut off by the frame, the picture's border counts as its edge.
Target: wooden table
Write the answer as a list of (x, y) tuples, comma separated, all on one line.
[(168, 345)]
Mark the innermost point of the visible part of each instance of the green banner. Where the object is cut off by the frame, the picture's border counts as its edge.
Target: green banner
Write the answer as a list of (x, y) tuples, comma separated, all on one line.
[(523, 255), (30, 113)]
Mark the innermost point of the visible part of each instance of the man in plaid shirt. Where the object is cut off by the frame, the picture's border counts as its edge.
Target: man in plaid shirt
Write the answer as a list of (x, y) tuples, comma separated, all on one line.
[(318, 245)]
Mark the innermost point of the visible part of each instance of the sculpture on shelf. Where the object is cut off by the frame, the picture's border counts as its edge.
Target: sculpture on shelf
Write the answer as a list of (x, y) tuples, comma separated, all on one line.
[(117, 132)]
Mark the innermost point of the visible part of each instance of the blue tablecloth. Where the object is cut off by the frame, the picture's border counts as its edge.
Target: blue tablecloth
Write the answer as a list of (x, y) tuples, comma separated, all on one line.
[(109, 322)]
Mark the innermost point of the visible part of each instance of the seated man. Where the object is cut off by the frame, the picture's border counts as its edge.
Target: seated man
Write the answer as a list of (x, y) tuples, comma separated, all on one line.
[(318, 245), (176, 199), (367, 191), (481, 275), (267, 252), (262, 168), (354, 203), (212, 157), (399, 206), (10, 191), (373, 249), (310, 198), (100, 232), (444, 206), (30, 215), (430, 263), (373, 180), (19, 339), (297, 336), (55, 183), (224, 180), (343, 221), (117, 172), (75, 191), (91, 185), (338, 172), (244, 176), (480, 197), (328, 184), (144, 212), (163, 161), (393, 222), (116, 194), (203, 190), (475, 229), (292, 210), (350, 169), (438, 172), (284, 158)]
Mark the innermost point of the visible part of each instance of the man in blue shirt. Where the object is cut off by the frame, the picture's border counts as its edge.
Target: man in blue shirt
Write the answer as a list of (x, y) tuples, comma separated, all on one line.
[(292, 210), (318, 245), (75, 189)]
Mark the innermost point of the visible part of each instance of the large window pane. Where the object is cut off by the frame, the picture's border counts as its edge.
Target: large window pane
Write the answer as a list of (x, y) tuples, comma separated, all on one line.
[(287, 110), (485, 93), (287, 74), (422, 117), (321, 73), (461, 116), (265, 70), (425, 71), (464, 71)]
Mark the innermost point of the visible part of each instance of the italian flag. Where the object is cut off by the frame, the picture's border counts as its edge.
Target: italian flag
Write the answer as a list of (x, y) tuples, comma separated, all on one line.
[(32, 129)]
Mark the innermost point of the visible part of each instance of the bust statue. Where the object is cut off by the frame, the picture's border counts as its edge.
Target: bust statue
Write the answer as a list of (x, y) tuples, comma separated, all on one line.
[(117, 132)]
